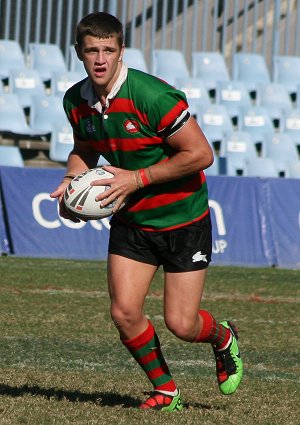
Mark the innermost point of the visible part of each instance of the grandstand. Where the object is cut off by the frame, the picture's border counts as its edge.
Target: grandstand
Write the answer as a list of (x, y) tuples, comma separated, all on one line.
[(236, 56)]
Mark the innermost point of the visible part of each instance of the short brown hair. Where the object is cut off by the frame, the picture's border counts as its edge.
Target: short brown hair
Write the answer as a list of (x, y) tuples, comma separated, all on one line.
[(100, 25)]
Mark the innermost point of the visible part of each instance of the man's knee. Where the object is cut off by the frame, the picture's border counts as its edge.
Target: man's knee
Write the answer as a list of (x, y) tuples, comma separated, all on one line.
[(184, 328)]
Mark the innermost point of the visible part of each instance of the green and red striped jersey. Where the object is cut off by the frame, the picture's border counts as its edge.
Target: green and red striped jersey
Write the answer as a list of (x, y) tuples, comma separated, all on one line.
[(127, 134)]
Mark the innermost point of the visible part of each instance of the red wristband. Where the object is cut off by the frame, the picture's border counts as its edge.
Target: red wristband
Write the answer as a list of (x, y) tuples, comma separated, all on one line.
[(144, 177)]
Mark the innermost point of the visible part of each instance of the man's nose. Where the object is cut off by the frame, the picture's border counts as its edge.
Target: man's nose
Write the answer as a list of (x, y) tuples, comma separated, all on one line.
[(100, 57)]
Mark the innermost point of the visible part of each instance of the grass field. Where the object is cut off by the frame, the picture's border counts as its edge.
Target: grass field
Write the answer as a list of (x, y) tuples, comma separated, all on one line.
[(62, 363)]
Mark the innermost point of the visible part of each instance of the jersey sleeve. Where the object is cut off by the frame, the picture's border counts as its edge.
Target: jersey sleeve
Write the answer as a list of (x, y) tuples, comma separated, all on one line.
[(169, 112)]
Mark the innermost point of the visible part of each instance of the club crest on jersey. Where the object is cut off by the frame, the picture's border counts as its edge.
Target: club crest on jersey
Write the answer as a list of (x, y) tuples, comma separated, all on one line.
[(131, 126)]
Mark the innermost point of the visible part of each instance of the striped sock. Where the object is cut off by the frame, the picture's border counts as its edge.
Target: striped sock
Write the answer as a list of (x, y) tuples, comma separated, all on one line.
[(145, 349), (213, 332)]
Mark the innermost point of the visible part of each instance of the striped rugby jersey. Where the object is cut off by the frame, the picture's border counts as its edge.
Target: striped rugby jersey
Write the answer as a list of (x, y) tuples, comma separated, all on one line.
[(127, 134)]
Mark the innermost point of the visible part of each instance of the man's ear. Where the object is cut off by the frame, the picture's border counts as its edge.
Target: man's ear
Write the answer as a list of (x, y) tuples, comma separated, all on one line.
[(78, 51), (121, 53)]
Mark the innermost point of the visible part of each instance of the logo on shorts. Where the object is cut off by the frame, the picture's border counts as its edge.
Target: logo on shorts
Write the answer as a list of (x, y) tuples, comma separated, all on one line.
[(199, 257), (131, 126)]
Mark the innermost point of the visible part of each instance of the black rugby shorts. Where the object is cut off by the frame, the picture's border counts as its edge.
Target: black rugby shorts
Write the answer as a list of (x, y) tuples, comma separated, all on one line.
[(184, 249)]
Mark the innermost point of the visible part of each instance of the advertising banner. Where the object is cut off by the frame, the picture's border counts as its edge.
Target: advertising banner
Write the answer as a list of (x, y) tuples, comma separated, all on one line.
[(284, 207), (34, 224), (240, 231), (256, 222)]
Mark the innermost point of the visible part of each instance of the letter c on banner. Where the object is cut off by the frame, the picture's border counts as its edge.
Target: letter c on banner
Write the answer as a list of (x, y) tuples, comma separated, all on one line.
[(54, 224), (36, 202)]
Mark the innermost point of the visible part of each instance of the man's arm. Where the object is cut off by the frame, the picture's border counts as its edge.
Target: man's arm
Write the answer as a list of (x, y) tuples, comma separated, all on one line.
[(192, 153), (80, 159)]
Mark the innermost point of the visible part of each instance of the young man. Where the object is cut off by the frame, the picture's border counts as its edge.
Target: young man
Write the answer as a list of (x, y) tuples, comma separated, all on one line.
[(142, 126)]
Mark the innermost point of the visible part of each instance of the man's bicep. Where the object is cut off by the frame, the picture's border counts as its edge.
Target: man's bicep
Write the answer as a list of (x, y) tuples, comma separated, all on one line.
[(188, 136)]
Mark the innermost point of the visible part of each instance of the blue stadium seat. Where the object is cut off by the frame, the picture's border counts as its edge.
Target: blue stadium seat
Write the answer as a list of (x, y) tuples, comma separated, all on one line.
[(11, 156), (293, 169), (11, 57), (286, 71), (45, 111), (61, 142), (26, 83), (232, 94), (214, 121), (12, 116), (134, 58), (213, 170), (260, 167), (209, 67), (280, 148), (46, 58), (275, 98), (195, 91), (169, 65), (251, 68), (75, 64), (256, 121), (61, 81), (291, 124), (237, 147)]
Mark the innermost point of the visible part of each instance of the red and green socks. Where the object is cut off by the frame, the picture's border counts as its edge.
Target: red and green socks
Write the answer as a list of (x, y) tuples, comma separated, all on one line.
[(212, 332), (145, 348)]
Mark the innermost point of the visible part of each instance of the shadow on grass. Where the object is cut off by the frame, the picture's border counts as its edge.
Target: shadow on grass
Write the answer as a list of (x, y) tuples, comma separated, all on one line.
[(101, 398)]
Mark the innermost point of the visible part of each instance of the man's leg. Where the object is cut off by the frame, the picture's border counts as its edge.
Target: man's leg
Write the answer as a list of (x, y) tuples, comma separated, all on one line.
[(183, 293), (129, 282)]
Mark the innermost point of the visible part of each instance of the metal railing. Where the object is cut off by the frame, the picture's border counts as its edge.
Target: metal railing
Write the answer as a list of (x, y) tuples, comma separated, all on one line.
[(267, 27)]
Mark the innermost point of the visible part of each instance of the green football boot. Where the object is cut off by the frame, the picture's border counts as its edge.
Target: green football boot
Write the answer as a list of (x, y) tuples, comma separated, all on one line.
[(229, 365), (165, 403)]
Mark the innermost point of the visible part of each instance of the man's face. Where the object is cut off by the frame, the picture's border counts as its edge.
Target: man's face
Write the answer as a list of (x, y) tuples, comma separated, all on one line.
[(102, 60)]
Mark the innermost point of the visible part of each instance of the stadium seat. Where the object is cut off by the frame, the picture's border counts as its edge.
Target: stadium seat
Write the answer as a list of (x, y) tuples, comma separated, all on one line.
[(209, 67), (280, 148), (45, 111), (75, 64), (233, 95), (251, 69), (237, 147), (46, 58), (213, 170), (134, 58), (293, 169), (12, 116), (286, 71), (61, 142), (62, 81), (260, 167), (195, 91), (169, 65), (11, 156), (291, 124), (11, 57), (256, 121), (275, 98), (26, 83), (214, 121)]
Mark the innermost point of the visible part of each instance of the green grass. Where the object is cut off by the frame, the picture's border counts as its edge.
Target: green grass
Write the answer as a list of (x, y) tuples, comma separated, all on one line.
[(62, 363)]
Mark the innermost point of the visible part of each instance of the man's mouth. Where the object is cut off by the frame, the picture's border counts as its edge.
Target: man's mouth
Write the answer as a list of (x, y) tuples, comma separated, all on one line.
[(99, 71)]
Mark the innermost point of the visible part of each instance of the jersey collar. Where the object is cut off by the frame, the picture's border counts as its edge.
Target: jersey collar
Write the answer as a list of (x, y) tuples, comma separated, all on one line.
[(88, 93)]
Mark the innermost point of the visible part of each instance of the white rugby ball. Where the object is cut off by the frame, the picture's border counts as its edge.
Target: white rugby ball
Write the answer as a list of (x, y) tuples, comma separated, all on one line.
[(80, 196)]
